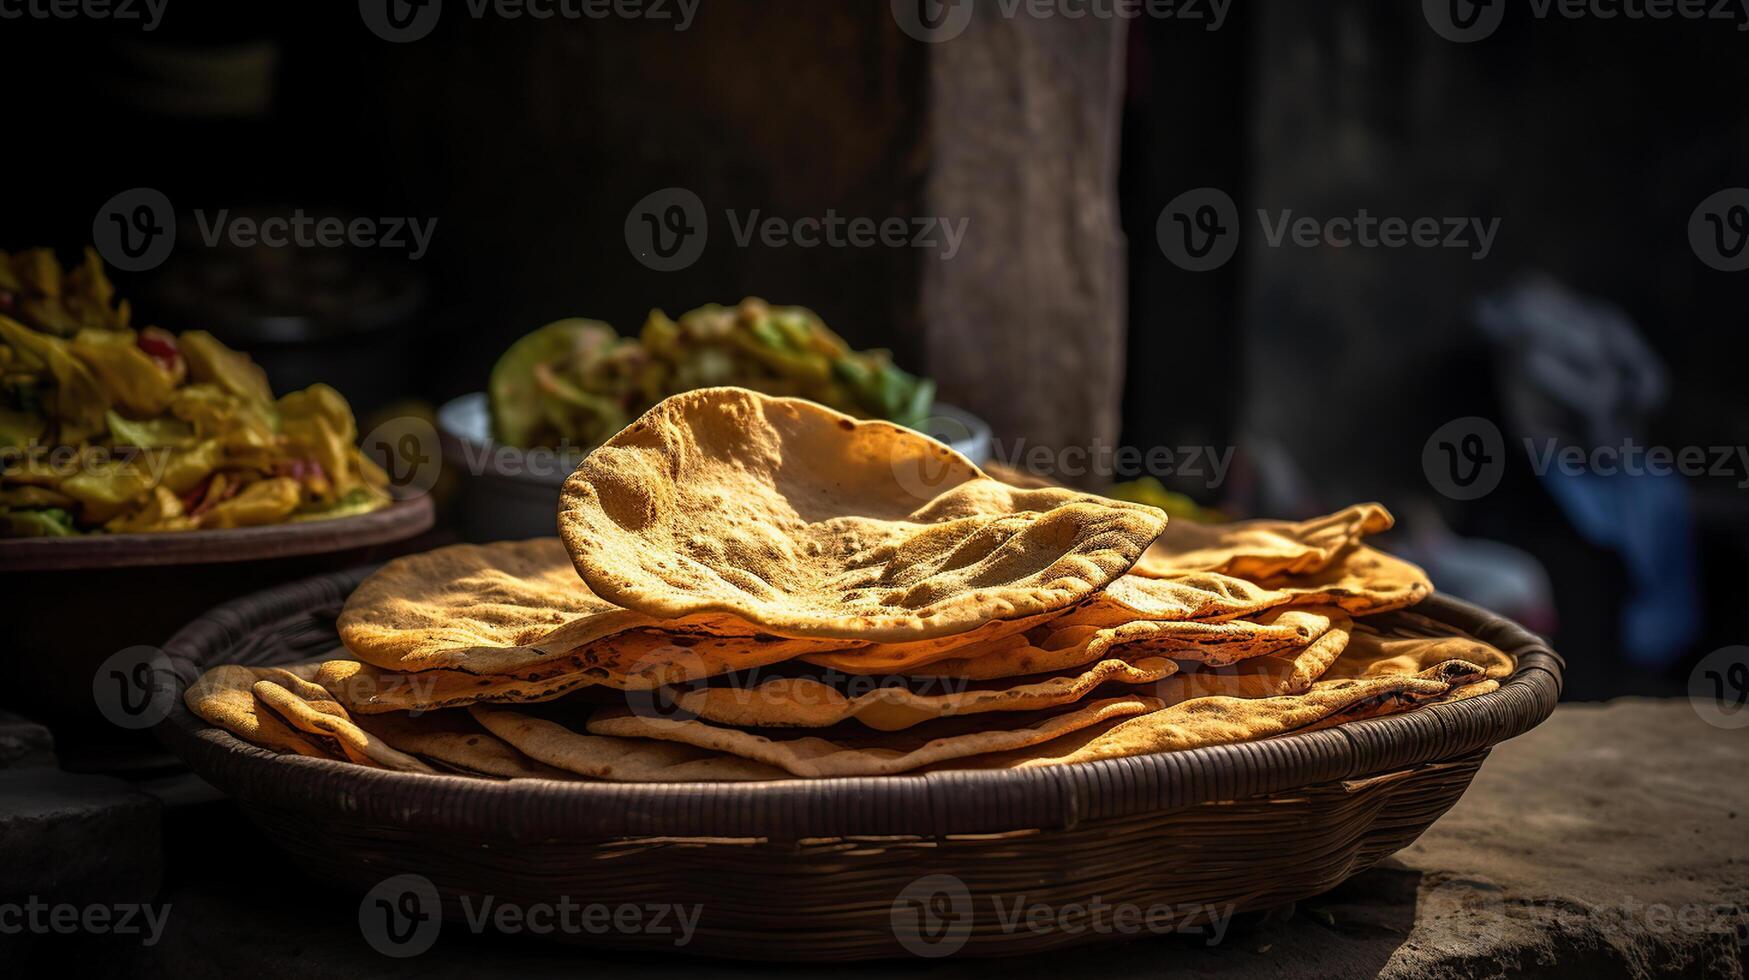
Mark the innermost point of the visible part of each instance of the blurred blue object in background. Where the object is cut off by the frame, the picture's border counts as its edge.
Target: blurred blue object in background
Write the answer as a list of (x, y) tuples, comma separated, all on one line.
[(1579, 383), (1491, 574)]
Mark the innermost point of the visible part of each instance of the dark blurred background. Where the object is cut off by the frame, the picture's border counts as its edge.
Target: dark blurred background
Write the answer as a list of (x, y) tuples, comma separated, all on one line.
[(1326, 369)]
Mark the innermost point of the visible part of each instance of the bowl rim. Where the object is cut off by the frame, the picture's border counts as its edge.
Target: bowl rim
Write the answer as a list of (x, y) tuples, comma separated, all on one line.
[(481, 457), (932, 804), (400, 520)]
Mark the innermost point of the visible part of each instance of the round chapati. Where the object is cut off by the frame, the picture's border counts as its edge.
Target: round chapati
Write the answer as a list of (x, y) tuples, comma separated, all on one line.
[(786, 514)]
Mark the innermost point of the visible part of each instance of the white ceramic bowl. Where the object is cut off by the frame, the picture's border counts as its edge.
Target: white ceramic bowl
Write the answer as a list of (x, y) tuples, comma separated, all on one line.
[(509, 493)]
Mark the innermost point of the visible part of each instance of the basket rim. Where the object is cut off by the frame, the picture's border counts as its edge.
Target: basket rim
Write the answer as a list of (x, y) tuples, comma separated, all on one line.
[(932, 804)]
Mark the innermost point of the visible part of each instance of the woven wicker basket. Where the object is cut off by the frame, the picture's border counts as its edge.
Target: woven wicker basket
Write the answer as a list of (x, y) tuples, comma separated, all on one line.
[(830, 869)]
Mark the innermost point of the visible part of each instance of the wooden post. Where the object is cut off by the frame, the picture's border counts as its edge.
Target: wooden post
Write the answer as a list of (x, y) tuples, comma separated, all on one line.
[(1026, 324)]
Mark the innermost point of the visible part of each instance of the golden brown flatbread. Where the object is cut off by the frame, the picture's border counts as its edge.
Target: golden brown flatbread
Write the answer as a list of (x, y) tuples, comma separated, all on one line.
[(633, 660), (223, 696), (875, 754), (1469, 691), (1060, 645), (1361, 582), (808, 702), (1373, 653), (783, 513), (1272, 675), (1223, 720), (308, 707), (455, 741), (635, 760), (514, 608), (1261, 549)]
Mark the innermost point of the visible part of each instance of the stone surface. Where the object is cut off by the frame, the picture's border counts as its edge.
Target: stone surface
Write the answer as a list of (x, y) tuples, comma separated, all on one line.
[(1609, 841), (24, 744), (81, 860), (1560, 861), (77, 838)]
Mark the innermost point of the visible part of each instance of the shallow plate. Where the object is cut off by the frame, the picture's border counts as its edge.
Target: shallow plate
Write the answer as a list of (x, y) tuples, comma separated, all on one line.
[(396, 522), (74, 602)]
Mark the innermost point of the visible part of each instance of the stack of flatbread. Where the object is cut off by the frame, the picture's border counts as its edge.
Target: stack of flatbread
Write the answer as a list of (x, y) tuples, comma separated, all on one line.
[(747, 587)]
